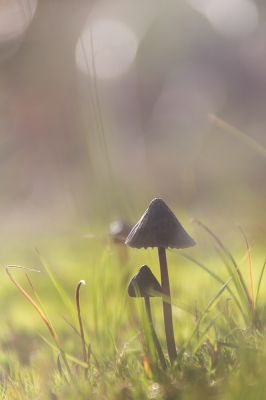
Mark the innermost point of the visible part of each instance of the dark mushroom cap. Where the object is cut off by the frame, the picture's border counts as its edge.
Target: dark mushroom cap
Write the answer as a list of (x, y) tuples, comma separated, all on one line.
[(143, 283), (159, 227)]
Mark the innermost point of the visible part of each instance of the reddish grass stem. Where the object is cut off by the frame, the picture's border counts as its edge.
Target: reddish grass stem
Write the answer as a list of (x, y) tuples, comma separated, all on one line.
[(41, 313)]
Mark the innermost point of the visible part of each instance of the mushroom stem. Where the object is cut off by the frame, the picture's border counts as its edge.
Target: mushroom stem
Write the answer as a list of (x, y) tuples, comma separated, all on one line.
[(167, 307), (154, 336)]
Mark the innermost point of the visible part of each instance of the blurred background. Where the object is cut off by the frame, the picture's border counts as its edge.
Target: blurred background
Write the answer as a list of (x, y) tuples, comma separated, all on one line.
[(107, 104)]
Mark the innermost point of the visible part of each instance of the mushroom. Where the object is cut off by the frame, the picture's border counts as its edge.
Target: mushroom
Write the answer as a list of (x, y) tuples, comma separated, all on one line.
[(144, 284), (118, 231), (159, 227)]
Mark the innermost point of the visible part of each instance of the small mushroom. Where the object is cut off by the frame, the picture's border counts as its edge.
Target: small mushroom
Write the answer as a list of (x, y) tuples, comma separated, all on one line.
[(118, 231), (144, 284), (159, 227)]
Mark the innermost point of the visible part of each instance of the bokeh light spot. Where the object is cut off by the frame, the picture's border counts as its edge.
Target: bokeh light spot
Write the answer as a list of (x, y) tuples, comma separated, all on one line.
[(106, 47), (15, 17), (230, 18)]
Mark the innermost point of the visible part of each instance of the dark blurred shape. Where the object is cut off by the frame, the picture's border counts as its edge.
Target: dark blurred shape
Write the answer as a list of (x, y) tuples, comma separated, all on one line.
[(119, 231)]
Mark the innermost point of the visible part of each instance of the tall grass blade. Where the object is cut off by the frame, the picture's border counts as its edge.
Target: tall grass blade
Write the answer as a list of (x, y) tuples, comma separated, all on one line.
[(228, 254), (207, 310), (37, 297), (200, 341), (255, 315), (239, 135), (67, 355), (40, 312), (196, 317), (259, 284), (250, 271), (112, 340), (59, 288), (59, 366), (263, 312), (240, 290), (218, 279)]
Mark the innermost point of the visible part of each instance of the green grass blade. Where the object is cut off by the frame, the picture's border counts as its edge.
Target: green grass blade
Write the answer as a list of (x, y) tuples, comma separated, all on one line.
[(59, 288), (238, 284), (113, 341), (239, 135), (68, 356), (207, 310), (263, 312), (228, 255), (199, 343), (259, 284), (217, 278), (39, 310), (184, 307), (40, 304)]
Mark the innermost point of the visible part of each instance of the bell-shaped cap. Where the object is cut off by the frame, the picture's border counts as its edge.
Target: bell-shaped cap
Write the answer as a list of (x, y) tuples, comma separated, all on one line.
[(159, 227), (144, 284)]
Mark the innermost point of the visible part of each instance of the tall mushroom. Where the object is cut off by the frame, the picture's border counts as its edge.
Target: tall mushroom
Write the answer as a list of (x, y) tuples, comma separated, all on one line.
[(144, 284), (159, 227)]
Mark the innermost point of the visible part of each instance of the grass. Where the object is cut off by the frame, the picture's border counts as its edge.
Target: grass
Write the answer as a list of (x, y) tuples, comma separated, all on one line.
[(92, 341)]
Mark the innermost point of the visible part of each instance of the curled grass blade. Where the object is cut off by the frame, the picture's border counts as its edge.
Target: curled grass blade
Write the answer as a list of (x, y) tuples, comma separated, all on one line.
[(83, 344)]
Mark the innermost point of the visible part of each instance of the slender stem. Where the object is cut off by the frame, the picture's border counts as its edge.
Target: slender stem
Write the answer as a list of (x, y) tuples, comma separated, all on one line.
[(154, 336), (256, 318), (196, 318), (167, 307), (83, 343)]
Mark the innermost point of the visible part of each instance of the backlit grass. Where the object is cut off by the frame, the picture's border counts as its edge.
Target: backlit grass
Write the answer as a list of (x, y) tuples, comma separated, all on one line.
[(221, 352)]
